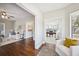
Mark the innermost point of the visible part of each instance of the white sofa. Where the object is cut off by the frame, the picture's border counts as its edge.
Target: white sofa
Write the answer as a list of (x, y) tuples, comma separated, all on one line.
[(65, 51), (17, 36)]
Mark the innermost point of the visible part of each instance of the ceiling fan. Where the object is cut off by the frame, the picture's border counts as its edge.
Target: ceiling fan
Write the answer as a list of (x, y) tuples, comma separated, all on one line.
[(4, 14)]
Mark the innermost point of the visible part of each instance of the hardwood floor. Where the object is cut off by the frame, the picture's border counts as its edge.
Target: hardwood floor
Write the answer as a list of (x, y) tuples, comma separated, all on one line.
[(20, 48)]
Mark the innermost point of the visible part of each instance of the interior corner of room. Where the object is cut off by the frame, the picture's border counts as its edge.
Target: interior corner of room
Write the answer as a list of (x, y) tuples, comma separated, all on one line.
[(18, 25)]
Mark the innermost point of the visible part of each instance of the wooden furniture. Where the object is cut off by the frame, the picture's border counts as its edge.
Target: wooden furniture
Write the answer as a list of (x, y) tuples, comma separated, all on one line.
[(50, 33)]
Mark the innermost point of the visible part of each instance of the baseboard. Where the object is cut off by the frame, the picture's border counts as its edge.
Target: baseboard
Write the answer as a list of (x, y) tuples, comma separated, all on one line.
[(28, 37), (41, 46), (12, 41), (37, 50)]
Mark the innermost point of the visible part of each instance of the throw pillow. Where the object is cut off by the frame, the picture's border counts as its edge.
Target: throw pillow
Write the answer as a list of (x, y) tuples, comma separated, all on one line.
[(70, 42), (67, 42)]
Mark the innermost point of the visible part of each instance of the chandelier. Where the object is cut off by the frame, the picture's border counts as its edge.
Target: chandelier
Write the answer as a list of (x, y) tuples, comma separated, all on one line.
[(4, 15)]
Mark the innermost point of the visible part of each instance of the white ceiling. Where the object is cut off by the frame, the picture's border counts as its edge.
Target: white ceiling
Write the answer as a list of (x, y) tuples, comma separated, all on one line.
[(46, 7), (14, 10), (20, 13)]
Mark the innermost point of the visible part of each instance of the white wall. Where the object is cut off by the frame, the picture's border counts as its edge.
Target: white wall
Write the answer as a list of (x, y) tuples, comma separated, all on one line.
[(52, 17), (24, 24), (38, 31), (55, 21), (65, 14), (19, 15), (30, 33), (38, 23)]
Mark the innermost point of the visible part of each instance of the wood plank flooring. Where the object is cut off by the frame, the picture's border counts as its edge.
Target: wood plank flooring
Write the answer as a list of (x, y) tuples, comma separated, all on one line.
[(21, 48)]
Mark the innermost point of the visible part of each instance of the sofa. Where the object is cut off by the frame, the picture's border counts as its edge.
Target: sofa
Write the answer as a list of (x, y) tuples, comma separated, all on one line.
[(16, 36), (65, 51)]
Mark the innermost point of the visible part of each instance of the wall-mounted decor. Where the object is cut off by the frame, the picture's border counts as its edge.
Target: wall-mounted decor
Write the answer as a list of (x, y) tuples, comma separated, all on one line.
[(2, 28), (74, 24), (29, 28)]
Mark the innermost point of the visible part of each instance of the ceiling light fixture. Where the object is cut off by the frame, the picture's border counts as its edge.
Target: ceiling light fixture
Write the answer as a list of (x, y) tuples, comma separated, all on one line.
[(4, 15)]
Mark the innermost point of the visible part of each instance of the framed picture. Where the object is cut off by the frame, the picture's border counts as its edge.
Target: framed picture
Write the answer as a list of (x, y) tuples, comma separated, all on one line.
[(74, 24)]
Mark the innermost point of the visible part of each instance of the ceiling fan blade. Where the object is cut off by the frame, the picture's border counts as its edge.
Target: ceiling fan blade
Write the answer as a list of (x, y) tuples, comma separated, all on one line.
[(12, 16), (7, 14)]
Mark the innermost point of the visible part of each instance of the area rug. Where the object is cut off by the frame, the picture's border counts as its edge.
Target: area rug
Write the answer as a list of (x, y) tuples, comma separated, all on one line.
[(48, 50)]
